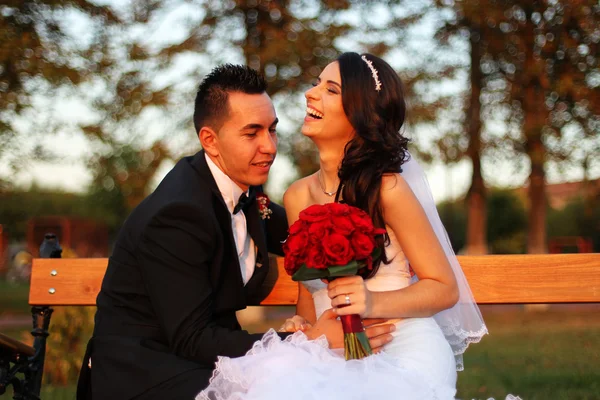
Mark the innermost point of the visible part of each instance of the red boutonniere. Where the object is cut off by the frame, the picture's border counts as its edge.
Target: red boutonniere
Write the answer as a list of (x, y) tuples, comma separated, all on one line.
[(263, 206)]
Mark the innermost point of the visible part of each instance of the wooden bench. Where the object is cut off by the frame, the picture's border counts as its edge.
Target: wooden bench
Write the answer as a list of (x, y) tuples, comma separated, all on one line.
[(494, 279)]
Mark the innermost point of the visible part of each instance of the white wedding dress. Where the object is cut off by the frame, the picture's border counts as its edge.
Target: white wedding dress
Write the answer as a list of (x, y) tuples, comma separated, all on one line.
[(417, 364)]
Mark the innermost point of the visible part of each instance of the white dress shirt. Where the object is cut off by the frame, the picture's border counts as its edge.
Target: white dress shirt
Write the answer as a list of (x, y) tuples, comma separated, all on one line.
[(244, 244)]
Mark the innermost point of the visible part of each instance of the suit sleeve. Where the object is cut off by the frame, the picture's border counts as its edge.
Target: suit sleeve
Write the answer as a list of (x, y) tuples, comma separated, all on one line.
[(175, 253), (277, 229)]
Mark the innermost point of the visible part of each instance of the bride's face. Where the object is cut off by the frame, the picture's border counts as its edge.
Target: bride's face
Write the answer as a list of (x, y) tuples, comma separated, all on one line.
[(325, 114)]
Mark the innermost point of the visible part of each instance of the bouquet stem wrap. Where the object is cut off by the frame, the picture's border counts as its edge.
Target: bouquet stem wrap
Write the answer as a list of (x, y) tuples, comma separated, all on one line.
[(356, 342)]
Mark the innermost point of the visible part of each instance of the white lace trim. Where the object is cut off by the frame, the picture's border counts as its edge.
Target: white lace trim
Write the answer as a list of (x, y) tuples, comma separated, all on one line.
[(460, 340), (509, 397)]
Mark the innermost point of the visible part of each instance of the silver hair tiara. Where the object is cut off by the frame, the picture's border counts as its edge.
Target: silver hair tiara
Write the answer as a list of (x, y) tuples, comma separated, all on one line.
[(373, 72)]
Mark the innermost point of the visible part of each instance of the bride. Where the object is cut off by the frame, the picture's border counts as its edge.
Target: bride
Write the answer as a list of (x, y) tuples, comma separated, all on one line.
[(355, 111)]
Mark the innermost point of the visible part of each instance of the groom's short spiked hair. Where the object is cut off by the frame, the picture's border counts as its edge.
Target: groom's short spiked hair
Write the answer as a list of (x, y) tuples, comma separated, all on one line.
[(211, 106)]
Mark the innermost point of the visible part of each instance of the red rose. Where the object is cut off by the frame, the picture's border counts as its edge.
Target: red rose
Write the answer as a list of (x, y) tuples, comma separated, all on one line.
[(297, 226), (362, 221), (362, 245), (339, 209), (318, 230), (316, 257), (337, 249), (294, 249), (291, 264), (296, 244), (342, 225), (314, 213)]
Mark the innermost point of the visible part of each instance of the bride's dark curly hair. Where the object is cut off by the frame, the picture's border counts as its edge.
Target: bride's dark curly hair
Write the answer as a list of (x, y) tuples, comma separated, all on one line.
[(378, 147)]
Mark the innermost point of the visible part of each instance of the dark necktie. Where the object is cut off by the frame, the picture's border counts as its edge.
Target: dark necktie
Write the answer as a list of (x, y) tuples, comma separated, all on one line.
[(243, 203)]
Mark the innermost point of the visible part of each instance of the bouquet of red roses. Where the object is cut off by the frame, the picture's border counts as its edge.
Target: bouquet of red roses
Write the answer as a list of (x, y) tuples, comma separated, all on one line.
[(332, 240)]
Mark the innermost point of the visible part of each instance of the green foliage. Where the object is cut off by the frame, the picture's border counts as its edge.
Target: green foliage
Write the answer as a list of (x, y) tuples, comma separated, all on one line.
[(19, 206), (14, 298), (59, 392), (506, 223), (454, 218), (70, 330), (580, 217), (566, 222), (506, 228)]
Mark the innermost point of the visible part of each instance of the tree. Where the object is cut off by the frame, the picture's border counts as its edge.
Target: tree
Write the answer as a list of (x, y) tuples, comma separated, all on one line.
[(37, 55), (467, 21), (549, 60), (122, 181), (533, 69)]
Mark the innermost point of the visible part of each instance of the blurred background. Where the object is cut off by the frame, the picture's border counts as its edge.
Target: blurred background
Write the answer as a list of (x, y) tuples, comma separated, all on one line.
[(96, 100)]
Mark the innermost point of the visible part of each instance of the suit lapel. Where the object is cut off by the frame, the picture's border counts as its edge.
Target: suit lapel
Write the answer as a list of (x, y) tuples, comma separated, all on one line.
[(222, 214), (254, 224)]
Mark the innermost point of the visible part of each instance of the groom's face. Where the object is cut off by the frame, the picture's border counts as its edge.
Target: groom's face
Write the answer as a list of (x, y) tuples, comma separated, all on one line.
[(246, 144)]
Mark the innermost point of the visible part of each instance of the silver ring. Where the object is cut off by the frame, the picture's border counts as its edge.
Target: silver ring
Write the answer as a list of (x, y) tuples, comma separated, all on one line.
[(347, 300)]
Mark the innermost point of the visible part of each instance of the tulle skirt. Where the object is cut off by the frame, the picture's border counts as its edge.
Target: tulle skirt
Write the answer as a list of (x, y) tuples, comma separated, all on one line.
[(418, 364)]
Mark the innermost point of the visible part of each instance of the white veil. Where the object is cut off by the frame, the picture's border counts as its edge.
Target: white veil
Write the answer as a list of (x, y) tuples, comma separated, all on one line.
[(461, 324)]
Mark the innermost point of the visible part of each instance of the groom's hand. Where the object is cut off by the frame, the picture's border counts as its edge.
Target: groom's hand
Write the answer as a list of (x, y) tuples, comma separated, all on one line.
[(379, 332), (327, 325), (296, 323)]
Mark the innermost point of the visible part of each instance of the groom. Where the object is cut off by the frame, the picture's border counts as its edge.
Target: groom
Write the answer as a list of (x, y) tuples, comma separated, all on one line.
[(191, 254)]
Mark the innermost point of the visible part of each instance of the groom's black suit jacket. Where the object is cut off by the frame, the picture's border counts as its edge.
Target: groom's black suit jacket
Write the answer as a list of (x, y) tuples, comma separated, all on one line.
[(173, 284)]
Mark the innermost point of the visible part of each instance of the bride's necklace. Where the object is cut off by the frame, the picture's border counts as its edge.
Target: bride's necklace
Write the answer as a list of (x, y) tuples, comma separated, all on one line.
[(330, 194)]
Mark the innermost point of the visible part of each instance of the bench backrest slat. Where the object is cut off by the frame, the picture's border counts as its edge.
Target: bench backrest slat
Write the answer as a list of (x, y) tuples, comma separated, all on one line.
[(494, 279)]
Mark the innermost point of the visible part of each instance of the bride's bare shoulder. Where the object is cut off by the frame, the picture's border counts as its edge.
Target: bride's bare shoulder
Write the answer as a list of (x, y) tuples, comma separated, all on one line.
[(298, 194), (394, 189)]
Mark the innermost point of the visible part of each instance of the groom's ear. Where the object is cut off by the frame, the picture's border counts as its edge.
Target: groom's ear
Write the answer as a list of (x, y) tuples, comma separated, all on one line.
[(208, 139)]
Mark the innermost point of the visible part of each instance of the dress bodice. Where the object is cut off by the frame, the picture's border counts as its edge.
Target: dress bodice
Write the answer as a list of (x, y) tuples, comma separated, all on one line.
[(392, 276)]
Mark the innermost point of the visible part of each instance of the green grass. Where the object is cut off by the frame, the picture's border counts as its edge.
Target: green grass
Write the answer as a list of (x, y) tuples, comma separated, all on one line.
[(58, 393), (536, 355), (14, 298), (51, 393)]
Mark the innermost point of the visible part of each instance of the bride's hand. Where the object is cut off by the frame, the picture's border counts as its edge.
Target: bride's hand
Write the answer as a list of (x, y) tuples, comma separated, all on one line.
[(349, 295), (378, 331), (296, 323)]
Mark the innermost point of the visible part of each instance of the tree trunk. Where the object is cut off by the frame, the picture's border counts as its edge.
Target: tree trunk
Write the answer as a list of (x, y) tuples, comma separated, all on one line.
[(536, 243), (535, 112), (476, 196)]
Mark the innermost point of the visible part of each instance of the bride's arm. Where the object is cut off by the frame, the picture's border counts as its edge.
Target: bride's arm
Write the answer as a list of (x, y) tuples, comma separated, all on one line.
[(306, 306), (436, 289)]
